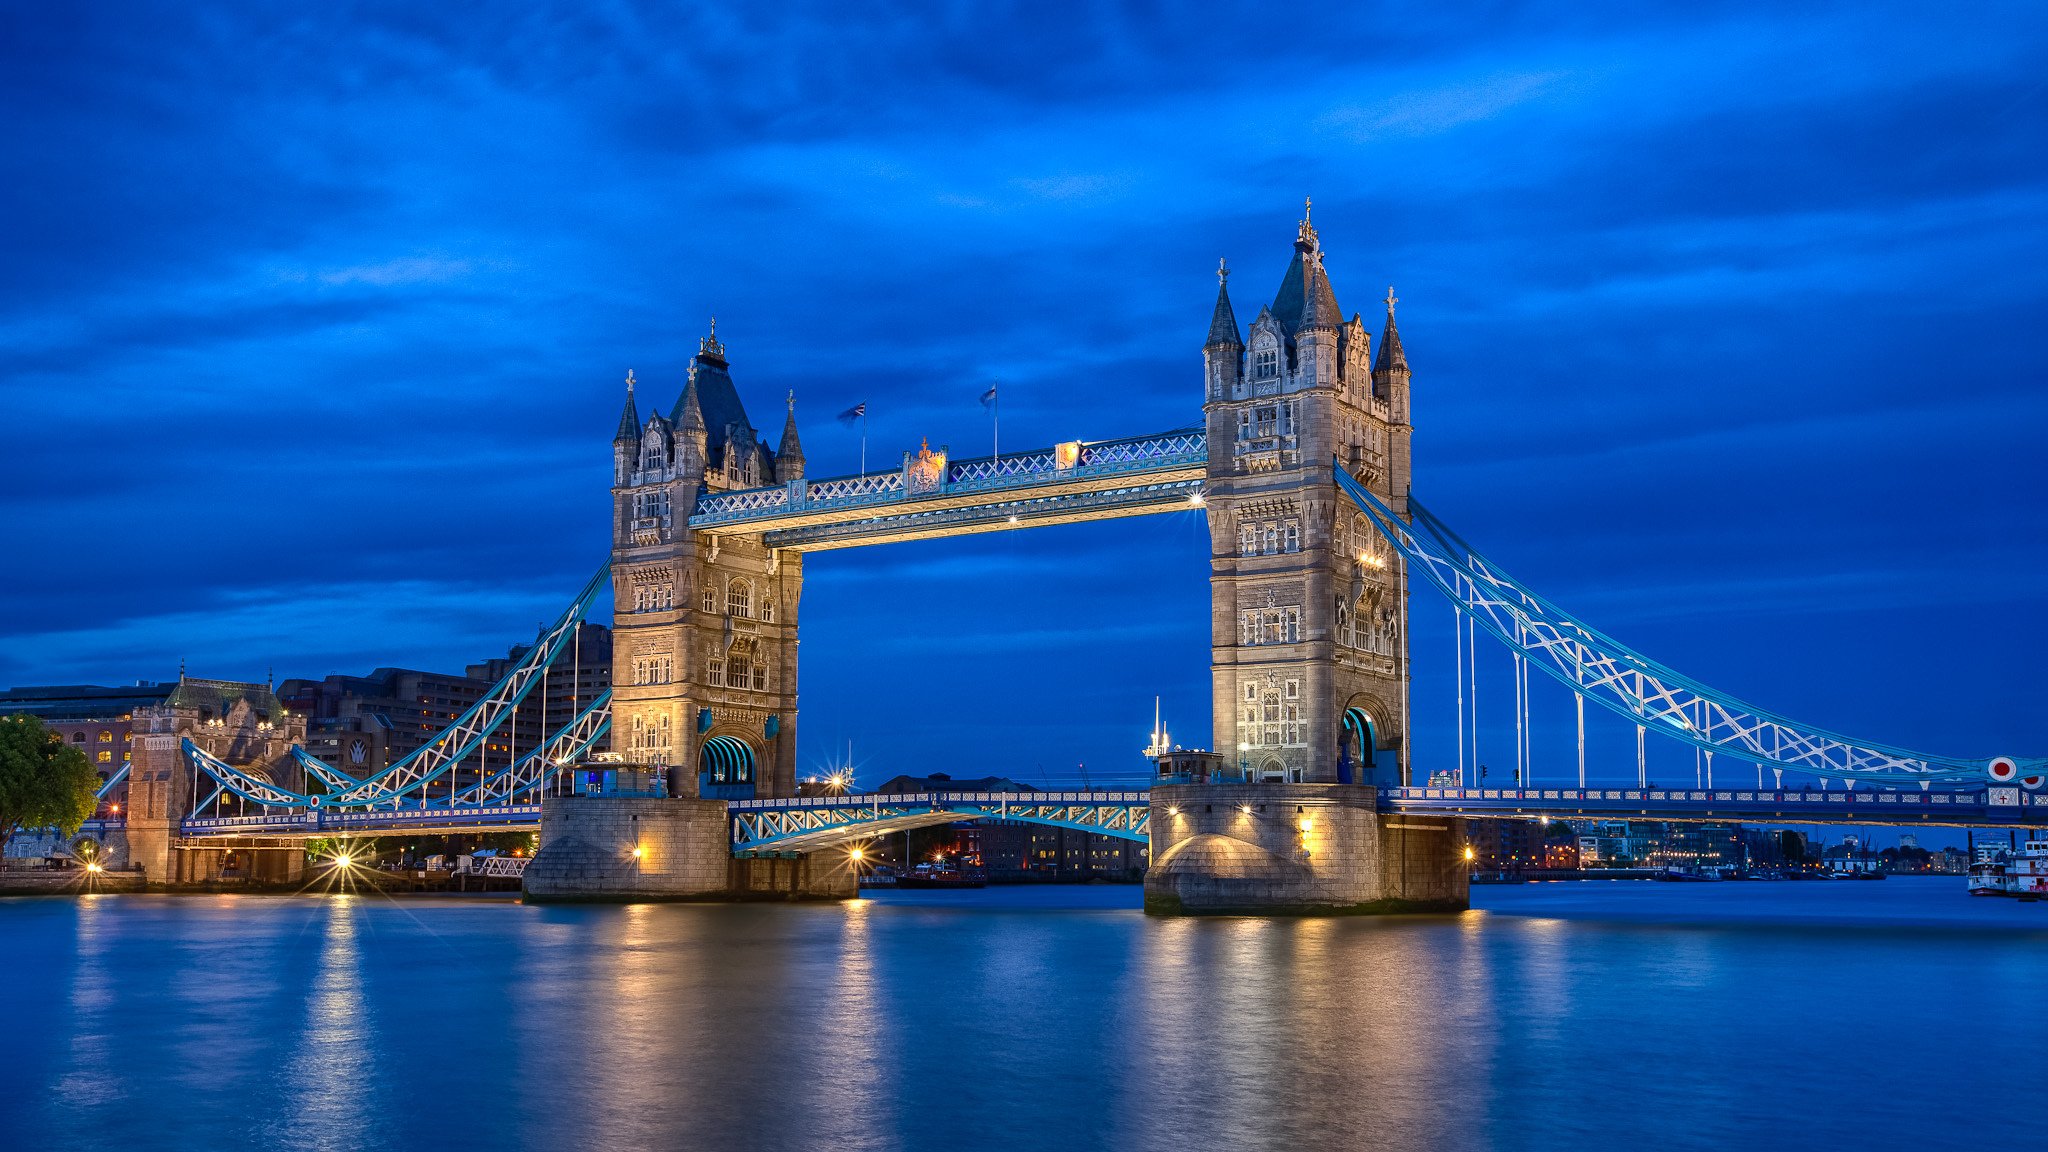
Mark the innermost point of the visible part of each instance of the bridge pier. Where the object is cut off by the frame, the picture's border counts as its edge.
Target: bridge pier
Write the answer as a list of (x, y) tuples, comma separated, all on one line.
[(1313, 849), (639, 848)]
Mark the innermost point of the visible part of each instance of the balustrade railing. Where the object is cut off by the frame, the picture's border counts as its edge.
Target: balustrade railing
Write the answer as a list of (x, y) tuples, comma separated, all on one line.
[(1181, 447)]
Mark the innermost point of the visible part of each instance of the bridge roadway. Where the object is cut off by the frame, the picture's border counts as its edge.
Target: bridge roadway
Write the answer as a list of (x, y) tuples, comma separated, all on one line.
[(808, 823)]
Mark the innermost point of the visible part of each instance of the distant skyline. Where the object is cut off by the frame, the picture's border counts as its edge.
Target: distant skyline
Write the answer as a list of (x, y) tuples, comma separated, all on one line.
[(1726, 326)]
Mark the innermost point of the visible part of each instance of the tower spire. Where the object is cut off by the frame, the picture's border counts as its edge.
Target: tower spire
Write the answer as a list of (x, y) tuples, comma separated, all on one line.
[(629, 420), (789, 457), (1390, 355), (1223, 321)]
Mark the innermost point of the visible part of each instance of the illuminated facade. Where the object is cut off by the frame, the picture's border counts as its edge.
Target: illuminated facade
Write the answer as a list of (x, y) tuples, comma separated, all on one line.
[(704, 626), (1309, 603)]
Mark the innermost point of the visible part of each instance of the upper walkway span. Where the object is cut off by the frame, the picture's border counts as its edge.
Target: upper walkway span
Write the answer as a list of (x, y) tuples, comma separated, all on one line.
[(934, 496)]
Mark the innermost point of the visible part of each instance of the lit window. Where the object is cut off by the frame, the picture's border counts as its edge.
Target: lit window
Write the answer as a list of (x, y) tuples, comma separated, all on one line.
[(106, 757), (106, 737)]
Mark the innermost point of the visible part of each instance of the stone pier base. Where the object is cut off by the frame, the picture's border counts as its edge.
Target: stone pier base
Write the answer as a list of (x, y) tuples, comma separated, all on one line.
[(1315, 849), (684, 852)]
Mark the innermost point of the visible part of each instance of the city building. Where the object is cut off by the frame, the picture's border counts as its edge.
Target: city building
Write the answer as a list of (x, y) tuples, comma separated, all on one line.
[(143, 727), (363, 724), (1506, 845), (103, 722)]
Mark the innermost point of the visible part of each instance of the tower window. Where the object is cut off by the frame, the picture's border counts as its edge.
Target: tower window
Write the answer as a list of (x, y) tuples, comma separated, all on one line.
[(710, 600), (1266, 363), (739, 598), (767, 608)]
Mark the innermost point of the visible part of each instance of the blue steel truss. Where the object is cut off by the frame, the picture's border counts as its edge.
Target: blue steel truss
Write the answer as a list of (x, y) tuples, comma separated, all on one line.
[(405, 782), (1608, 672), (1977, 808), (807, 823), (108, 786), (1135, 467)]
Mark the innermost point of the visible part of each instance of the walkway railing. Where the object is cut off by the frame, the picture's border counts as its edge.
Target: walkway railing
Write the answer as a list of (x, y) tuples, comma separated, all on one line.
[(806, 823), (1132, 456)]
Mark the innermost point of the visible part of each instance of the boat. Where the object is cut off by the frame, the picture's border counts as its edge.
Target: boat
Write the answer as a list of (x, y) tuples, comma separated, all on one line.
[(2024, 875), (942, 876)]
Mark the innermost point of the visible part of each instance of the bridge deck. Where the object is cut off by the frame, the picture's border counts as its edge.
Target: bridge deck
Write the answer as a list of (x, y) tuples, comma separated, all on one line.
[(2001, 807), (808, 823), (936, 497)]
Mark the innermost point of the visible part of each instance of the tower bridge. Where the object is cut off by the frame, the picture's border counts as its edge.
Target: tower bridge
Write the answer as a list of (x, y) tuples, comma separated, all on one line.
[(1302, 466)]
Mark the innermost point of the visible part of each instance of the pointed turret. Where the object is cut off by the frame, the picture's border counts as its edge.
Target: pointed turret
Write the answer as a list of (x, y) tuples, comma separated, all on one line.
[(688, 413), (1390, 357), (1223, 322), (789, 458), (629, 420), (1319, 302)]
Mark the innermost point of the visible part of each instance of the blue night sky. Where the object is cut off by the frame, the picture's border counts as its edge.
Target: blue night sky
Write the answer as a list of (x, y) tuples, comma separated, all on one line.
[(1726, 323)]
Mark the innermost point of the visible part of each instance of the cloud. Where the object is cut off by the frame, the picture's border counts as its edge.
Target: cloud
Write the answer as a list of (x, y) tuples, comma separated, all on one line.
[(293, 352)]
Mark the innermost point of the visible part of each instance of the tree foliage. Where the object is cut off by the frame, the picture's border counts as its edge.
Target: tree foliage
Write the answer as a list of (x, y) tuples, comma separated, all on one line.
[(44, 782)]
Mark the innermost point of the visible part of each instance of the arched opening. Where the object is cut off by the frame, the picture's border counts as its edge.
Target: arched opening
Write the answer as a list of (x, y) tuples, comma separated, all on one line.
[(1355, 751), (725, 761)]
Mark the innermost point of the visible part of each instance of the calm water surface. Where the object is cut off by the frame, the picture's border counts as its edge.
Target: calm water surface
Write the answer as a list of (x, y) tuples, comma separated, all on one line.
[(1567, 1016)]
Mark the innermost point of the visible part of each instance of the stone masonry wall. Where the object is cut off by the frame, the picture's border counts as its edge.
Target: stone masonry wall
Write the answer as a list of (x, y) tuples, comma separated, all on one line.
[(1315, 848)]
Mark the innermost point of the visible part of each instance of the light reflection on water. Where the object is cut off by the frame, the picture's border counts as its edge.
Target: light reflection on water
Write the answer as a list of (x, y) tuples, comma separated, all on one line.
[(1564, 1018), (330, 1083)]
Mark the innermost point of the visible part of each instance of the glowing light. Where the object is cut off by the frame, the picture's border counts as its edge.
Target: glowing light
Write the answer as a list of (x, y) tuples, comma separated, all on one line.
[(1469, 854), (1196, 499), (1307, 826), (858, 855), (636, 851), (94, 868), (1245, 808), (344, 860), (1174, 810), (1013, 519)]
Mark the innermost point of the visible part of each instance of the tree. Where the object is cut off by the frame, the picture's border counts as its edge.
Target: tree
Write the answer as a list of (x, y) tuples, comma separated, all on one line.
[(44, 782)]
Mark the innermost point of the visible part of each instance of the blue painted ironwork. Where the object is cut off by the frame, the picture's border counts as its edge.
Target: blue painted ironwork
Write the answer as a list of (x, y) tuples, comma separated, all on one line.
[(1133, 456), (108, 785), (806, 823), (1610, 673), (1956, 808), (432, 760), (366, 822), (1124, 500)]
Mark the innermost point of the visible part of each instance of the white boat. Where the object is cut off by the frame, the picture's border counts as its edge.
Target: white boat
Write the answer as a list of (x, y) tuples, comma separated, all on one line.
[(2003, 874)]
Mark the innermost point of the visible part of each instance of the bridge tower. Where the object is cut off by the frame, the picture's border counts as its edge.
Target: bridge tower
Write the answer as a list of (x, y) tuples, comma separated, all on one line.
[(1309, 604), (705, 628), (1309, 654)]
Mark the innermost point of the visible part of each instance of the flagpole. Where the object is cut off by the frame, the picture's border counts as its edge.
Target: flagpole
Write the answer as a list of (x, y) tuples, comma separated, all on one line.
[(863, 438), (995, 407)]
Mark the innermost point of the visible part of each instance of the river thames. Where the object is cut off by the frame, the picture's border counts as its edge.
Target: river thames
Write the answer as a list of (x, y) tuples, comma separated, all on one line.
[(1565, 1016)]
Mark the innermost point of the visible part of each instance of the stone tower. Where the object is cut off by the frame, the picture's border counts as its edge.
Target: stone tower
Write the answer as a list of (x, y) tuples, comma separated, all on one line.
[(1309, 604), (705, 629)]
